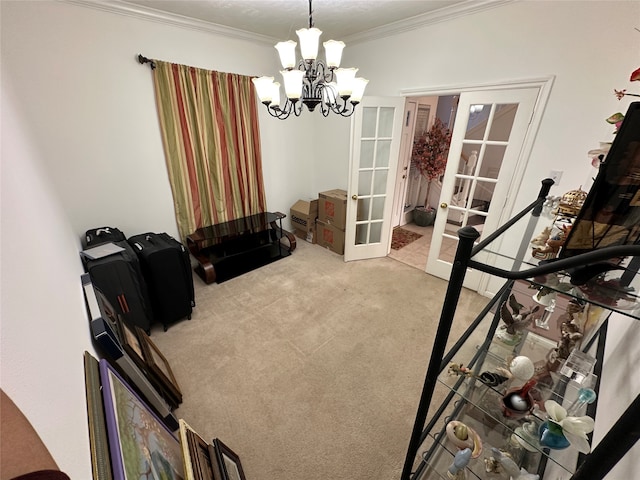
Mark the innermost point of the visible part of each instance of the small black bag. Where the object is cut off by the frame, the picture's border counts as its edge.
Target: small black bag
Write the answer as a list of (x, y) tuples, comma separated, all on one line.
[(98, 236)]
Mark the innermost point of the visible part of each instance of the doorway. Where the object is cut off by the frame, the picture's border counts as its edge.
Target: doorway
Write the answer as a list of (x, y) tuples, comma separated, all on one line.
[(468, 179), (411, 187)]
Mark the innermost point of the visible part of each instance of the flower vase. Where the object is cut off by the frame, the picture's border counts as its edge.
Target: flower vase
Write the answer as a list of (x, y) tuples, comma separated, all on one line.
[(551, 436)]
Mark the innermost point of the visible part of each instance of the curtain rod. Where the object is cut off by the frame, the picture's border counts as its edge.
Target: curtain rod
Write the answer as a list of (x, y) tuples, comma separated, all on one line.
[(144, 60)]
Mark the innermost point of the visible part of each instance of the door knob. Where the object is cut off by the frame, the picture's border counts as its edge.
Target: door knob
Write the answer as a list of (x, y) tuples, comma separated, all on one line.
[(443, 205), (354, 197)]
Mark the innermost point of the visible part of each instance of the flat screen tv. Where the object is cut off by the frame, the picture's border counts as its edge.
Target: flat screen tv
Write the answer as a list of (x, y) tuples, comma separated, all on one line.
[(611, 212)]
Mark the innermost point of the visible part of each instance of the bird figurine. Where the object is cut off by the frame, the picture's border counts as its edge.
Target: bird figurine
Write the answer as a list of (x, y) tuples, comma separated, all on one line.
[(521, 316)]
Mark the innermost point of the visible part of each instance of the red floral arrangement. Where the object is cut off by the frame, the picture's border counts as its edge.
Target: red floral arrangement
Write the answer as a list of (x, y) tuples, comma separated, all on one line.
[(430, 151), (617, 118)]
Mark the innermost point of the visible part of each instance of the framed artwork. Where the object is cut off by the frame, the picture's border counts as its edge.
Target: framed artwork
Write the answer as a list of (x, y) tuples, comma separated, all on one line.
[(158, 365), (141, 446), (131, 342), (98, 440), (228, 461), (199, 457)]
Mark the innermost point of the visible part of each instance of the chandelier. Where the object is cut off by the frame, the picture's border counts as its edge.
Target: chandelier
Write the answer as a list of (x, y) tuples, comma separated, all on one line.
[(310, 81)]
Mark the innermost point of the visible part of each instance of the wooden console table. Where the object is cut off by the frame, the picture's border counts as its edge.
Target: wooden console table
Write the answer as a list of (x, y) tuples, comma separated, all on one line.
[(229, 249)]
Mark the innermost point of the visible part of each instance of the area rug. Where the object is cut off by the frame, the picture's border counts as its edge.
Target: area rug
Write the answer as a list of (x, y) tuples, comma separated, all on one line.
[(402, 238)]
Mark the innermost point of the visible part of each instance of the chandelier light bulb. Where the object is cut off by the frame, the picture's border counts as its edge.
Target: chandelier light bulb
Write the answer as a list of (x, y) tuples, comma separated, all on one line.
[(359, 84), (309, 39), (345, 78), (333, 53), (287, 52), (293, 83), (264, 88)]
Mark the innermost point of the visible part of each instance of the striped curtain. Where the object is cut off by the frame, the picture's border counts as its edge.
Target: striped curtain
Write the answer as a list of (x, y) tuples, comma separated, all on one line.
[(210, 133)]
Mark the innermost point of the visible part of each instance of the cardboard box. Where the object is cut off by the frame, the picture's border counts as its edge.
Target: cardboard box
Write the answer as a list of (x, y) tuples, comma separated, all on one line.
[(330, 237), (332, 208), (307, 235), (304, 214)]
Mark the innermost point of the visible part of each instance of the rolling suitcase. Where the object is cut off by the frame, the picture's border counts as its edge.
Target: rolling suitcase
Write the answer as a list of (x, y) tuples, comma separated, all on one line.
[(118, 276), (166, 268)]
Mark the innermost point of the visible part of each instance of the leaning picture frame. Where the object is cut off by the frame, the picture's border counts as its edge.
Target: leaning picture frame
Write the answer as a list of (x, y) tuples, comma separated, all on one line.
[(140, 443), (200, 462), (98, 440), (158, 366), (228, 461), (131, 342)]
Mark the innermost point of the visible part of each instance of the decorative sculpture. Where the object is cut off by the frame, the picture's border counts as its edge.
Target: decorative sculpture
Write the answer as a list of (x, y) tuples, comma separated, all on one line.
[(542, 237), (515, 320), (463, 437), (460, 461), (512, 468)]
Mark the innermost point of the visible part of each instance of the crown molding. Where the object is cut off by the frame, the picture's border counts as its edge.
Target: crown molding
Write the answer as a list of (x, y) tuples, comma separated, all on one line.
[(124, 8), (469, 7)]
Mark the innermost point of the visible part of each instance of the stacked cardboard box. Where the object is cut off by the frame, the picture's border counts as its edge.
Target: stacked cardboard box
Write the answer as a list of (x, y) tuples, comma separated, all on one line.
[(332, 215), (303, 219)]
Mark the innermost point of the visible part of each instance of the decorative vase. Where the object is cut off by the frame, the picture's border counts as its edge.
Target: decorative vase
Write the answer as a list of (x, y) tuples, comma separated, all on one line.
[(518, 402), (551, 436), (423, 217)]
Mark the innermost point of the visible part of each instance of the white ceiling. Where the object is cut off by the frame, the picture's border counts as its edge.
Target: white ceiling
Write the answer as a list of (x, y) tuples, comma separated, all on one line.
[(338, 19)]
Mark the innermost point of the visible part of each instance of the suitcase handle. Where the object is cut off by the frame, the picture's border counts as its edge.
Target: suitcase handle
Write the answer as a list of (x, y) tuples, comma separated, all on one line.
[(100, 231), (138, 246), (124, 306)]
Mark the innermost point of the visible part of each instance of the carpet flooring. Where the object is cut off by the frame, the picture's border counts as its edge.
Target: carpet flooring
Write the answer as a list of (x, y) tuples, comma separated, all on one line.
[(310, 367), (402, 237)]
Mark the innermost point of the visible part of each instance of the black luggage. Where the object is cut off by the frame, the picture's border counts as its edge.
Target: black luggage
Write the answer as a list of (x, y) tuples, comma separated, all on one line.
[(119, 277), (166, 268), (98, 236)]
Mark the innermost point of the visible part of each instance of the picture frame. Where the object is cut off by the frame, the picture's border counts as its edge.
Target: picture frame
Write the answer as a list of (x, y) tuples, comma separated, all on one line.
[(98, 440), (200, 462), (228, 461), (139, 442), (158, 366), (131, 344)]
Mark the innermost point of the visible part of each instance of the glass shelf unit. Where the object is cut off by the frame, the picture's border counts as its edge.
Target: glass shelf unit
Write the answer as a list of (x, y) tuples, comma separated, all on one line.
[(482, 349)]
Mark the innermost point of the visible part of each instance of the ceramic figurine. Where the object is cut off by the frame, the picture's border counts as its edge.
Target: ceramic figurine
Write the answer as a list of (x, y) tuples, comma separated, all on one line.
[(512, 468), (460, 461), (542, 238), (463, 437), (515, 320)]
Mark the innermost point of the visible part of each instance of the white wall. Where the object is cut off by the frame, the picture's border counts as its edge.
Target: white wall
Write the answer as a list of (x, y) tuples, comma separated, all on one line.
[(81, 148), (44, 329), (590, 47), (75, 75)]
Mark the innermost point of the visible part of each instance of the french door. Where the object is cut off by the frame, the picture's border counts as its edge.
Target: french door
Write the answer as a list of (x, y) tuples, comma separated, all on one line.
[(375, 145), (486, 144)]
